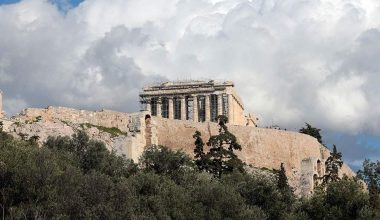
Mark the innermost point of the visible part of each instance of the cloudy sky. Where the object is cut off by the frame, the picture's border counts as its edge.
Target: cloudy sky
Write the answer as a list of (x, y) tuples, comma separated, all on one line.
[(292, 61)]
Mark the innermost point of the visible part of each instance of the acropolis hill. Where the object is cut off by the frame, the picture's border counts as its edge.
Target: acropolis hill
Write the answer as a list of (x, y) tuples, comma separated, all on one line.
[(171, 113)]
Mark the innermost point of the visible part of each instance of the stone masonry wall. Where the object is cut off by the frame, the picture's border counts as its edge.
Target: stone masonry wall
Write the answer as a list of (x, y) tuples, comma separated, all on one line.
[(261, 147)]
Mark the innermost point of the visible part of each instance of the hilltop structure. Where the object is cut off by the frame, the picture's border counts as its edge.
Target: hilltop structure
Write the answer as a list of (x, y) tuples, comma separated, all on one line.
[(199, 101), (173, 112)]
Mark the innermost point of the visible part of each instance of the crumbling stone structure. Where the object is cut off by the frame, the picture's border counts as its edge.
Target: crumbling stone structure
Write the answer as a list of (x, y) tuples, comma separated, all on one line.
[(312, 172), (199, 101)]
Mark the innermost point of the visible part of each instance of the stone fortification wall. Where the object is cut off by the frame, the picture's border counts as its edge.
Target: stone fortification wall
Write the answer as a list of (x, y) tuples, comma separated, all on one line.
[(261, 147), (104, 118)]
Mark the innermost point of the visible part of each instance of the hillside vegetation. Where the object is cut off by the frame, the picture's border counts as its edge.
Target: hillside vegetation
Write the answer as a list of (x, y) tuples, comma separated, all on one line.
[(77, 178)]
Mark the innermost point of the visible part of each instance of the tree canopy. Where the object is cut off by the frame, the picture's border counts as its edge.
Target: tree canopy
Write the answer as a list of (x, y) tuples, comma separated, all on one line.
[(333, 164), (78, 178), (220, 159), (312, 131), (370, 174)]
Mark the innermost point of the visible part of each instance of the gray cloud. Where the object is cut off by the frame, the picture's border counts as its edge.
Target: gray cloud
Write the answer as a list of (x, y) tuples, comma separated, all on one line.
[(47, 59), (292, 60)]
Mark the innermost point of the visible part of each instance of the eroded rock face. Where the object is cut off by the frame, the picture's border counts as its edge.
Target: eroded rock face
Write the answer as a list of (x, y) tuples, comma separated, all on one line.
[(47, 128), (119, 131), (105, 118), (303, 156)]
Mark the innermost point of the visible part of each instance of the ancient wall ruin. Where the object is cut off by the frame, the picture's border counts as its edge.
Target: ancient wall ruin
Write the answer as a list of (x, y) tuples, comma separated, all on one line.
[(104, 118), (142, 132)]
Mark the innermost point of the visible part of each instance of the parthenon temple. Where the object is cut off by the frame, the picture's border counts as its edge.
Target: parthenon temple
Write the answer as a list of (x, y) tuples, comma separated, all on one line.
[(199, 101)]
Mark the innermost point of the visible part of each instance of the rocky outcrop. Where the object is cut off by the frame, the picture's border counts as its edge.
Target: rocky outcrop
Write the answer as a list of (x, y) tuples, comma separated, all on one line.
[(105, 118), (44, 129), (119, 131)]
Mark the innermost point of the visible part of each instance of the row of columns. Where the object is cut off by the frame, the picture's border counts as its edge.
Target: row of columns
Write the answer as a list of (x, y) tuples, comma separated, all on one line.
[(184, 107)]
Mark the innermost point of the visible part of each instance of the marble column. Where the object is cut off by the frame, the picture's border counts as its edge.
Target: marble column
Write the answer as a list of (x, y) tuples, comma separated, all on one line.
[(171, 108), (231, 110), (207, 108), (159, 110), (148, 106), (183, 108), (220, 105), (195, 108)]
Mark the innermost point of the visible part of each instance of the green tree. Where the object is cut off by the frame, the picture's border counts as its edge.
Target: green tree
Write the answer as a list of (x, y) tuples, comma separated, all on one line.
[(345, 199), (92, 155), (29, 179), (370, 174), (159, 197), (220, 200), (97, 189), (221, 158), (314, 132), (200, 158), (162, 160), (261, 190), (282, 181), (333, 164)]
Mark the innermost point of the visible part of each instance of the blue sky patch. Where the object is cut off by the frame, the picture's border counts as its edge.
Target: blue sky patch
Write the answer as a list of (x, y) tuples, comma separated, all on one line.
[(62, 5), (354, 148), (5, 2)]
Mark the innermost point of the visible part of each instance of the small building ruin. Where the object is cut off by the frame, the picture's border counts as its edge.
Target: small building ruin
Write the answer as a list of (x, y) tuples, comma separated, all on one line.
[(312, 172), (199, 101)]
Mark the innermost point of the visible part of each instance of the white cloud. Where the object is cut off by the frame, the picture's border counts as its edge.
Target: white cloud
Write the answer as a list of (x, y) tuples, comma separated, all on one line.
[(344, 103), (291, 60)]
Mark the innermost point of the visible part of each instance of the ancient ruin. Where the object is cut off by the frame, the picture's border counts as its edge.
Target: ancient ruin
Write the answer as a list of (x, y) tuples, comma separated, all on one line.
[(199, 101), (169, 120)]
